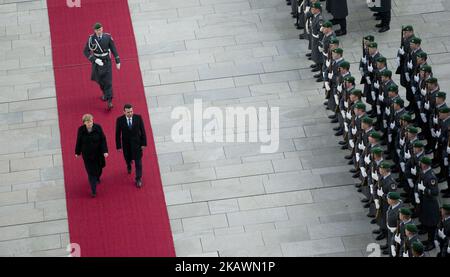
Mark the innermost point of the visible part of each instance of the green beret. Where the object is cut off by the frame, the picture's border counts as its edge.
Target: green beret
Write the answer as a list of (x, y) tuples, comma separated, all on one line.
[(366, 119), (432, 80), (426, 160), (441, 94), (416, 40), (381, 59), (97, 26), (356, 92), (406, 117), (408, 28), (399, 102), (393, 195), (386, 73), (444, 110), (338, 50), (334, 41), (422, 55), (426, 68), (377, 150), (369, 38), (446, 207), (375, 135), (412, 129), (405, 211), (373, 45), (317, 5), (386, 165), (411, 228), (345, 65), (418, 247), (418, 144), (360, 105), (327, 24), (393, 88), (350, 79)]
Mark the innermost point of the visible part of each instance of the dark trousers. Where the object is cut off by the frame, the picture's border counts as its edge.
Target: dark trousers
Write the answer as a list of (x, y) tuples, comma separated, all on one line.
[(342, 22), (385, 18), (138, 166), (431, 230), (93, 181), (104, 74)]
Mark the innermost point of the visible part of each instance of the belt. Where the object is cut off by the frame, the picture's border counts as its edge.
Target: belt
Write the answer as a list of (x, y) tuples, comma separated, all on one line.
[(101, 55)]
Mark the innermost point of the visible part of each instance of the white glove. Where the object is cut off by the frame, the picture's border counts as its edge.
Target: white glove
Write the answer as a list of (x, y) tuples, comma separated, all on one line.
[(99, 62), (346, 104), (378, 109), (433, 133), (376, 85), (413, 88), (410, 64), (357, 157), (368, 80), (441, 233), (398, 239), (352, 144), (407, 77), (427, 105), (384, 123), (414, 171), (381, 97), (423, 92), (437, 244), (420, 186), (435, 120), (363, 172), (367, 159), (405, 255), (393, 252), (339, 88), (327, 86), (354, 131), (448, 249), (407, 155), (392, 229), (371, 187), (401, 51), (327, 63), (438, 133), (410, 183), (397, 61), (336, 99), (343, 114), (392, 125), (374, 176), (373, 95), (402, 141), (361, 146), (402, 165), (364, 60), (424, 118), (320, 48), (445, 161), (349, 115), (380, 192), (377, 204), (416, 78), (346, 127), (370, 68), (387, 111), (448, 150), (307, 9), (390, 138), (416, 197), (330, 75)]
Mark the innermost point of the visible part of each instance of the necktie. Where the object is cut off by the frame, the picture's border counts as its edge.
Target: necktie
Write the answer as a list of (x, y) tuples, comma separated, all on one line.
[(129, 123)]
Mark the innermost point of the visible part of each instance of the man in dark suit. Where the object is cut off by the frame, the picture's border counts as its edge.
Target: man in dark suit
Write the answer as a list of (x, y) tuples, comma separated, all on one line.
[(385, 16), (339, 11), (130, 136)]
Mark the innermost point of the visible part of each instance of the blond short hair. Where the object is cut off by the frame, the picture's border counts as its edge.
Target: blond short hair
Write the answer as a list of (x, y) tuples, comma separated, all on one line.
[(87, 117)]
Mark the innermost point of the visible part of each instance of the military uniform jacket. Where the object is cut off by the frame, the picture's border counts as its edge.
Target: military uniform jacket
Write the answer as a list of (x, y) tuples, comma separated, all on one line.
[(316, 34), (413, 163), (444, 225), (434, 115), (96, 48), (409, 242), (403, 234), (392, 215), (411, 57), (443, 138), (401, 68), (371, 60), (429, 214), (408, 147), (430, 99)]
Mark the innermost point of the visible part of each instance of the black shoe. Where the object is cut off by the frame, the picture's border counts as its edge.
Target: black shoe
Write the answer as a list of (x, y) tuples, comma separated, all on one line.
[(315, 69), (344, 147), (376, 232), (447, 195), (367, 205), (380, 236), (313, 66), (103, 98), (377, 17), (384, 247), (350, 162), (93, 194), (299, 27), (110, 105), (358, 185), (138, 183), (342, 142), (320, 79), (333, 116), (302, 36), (356, 175), (340, 133), (129, 169), (373, 221), (309, 55), (348, 157), (384, 29), (334, 120), (365, 200), (359, 190), (318, 75), (337, 129), (376, 14), (379, 25), (340, 33)]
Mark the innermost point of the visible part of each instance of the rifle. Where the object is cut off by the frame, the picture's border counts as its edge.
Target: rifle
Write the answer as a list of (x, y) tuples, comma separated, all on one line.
[(402, 57), (378, 214), (363, 79), (397, 232), (330, 69)]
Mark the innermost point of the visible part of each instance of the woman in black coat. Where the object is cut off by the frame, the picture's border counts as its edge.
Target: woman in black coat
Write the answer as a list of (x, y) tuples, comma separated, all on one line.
[(339, 10), (91, 144)]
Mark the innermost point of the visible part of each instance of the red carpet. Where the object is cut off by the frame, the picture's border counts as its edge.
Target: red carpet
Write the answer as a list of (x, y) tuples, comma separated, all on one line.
[(122, 220)]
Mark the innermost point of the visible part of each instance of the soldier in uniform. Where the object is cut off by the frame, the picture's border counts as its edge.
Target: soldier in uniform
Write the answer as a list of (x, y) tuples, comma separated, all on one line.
[(443, 232), (400, 236), (418, 250), (410, 63), (392, 222), (361, 143), (343, 72), (426, 112), (368, 73), (373, 177), (418, 87), (324, 47), (386, 184), (359, 111), (385, 15), (344, 106), (412, 167), (411, 236), (97, 50), (403, 51), (340, 13), (426, 192), (439, 124), (316, 25), (331, 76)]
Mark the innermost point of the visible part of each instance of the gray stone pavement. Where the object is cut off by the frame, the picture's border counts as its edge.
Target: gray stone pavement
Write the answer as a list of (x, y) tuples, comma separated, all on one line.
[(223, 199)]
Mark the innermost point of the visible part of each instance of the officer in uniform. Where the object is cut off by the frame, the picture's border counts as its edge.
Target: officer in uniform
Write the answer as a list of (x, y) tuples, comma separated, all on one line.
[(316, 25), (407, 35), (373, 177), (412, 169), (443, 232), (439, 125), (324, 47), (426, 113), (400, 236), (97, 50), (392, 222), (368, 73), (411, 236)]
